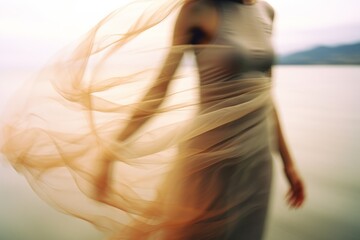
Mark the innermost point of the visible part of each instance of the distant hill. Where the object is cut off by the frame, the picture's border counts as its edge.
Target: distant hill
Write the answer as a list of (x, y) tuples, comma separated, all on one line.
[(348, 54)]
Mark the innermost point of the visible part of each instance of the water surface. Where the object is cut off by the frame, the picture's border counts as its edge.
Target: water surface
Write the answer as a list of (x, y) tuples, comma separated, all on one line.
[(319, 107)]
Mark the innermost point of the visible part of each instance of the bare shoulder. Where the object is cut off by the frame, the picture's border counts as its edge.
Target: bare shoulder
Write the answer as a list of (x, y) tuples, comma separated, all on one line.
[(186, 19), (269, 9), (196, 10), (199, 14)]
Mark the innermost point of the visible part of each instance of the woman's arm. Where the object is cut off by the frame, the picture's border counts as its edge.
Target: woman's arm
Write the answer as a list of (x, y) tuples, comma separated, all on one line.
[(283, 148), (296, 194), (155, 96), (148, 105), (150, 102)]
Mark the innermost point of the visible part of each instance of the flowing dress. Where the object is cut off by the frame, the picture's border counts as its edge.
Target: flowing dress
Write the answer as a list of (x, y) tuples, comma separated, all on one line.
[(241, 168), (206, 176)]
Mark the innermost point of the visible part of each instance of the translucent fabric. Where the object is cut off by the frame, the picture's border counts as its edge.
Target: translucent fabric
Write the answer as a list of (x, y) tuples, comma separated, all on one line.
[(169, 180)]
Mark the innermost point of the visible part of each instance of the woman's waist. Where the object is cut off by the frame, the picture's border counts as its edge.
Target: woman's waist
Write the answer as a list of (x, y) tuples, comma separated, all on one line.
[(235, 79), (237, 92), (251, 74)]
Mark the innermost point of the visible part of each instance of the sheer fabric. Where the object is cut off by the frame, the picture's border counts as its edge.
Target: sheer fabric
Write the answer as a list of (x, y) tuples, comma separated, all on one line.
[(167, 181)]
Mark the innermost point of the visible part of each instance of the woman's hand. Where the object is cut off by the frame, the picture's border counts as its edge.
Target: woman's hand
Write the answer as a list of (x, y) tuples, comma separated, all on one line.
[(296, 194)]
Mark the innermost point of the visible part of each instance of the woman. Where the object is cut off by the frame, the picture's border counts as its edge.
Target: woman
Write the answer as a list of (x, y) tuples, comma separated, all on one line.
[(204, 177)]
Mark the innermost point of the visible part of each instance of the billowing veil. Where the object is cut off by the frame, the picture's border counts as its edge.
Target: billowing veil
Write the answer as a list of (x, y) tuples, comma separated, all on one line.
[(62, 130)]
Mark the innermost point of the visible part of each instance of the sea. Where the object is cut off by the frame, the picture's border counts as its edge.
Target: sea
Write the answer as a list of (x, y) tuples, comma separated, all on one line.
[(319, 109)]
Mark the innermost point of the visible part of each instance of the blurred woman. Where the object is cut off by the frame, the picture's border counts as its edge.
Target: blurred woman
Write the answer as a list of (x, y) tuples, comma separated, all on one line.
[(207, 176)]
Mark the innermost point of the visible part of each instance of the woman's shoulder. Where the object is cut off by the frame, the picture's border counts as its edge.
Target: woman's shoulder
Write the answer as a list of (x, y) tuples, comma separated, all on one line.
[(196, 10), (269, 8), (198, 5)]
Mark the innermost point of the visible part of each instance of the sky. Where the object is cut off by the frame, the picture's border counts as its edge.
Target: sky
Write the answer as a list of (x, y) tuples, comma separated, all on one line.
[(27, 26)]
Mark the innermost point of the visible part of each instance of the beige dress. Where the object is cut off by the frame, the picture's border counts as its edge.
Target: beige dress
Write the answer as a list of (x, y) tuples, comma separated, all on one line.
[(240, 171), (205, 177)]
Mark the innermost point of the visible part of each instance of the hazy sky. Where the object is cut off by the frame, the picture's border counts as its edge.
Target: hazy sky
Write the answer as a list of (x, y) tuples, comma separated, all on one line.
[(51, 24)]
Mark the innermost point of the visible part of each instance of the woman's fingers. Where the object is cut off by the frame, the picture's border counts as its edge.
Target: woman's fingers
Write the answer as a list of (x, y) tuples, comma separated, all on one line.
[(295, 195)]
